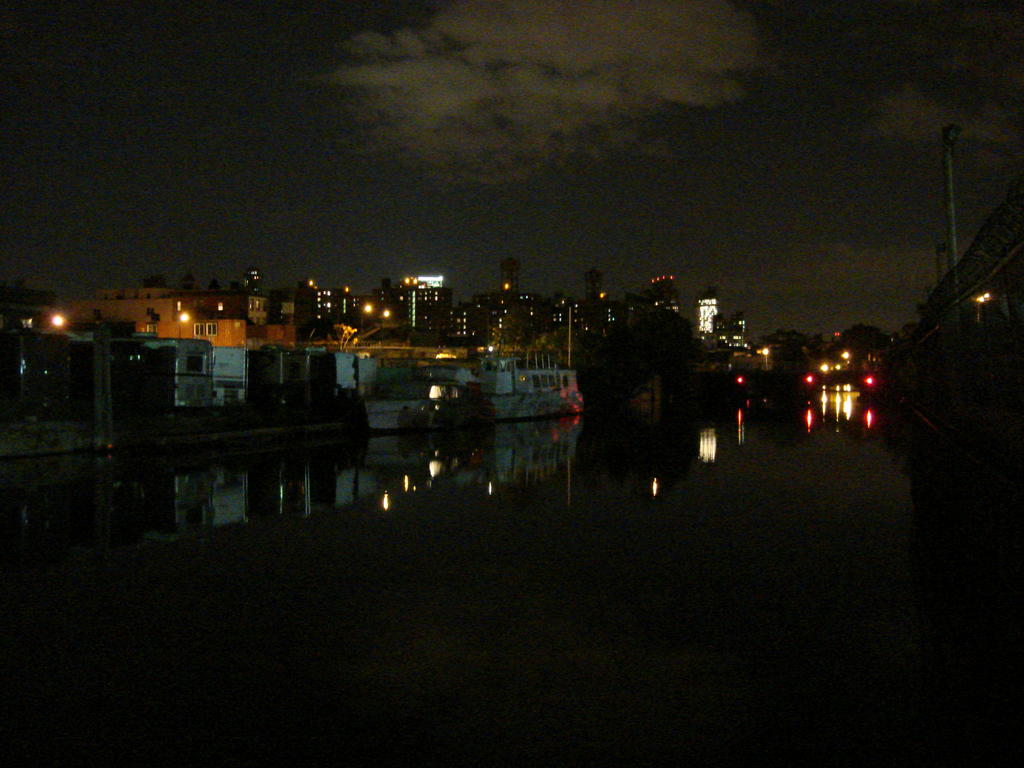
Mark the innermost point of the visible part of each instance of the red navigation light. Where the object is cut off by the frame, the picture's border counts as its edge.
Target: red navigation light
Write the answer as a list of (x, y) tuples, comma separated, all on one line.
[(740, 380), (869, 380), (809, 378)]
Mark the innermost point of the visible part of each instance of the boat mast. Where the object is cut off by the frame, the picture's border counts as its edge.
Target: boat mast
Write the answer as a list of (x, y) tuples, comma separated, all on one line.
[(569, 356)]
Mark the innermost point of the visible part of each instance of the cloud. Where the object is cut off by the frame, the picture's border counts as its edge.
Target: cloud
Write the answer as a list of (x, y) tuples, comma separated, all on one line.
[(978, 84), (491, 89), (910, 114)]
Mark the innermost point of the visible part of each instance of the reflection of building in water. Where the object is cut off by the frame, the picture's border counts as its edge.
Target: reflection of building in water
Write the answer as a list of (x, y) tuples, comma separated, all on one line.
[(533, 451), (516, 454), (707, 445), (228, 496)]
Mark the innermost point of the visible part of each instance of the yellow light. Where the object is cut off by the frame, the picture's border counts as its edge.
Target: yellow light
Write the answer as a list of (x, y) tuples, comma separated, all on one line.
[(312, 283), (602, 294), (385, 503), (434, 467), (57, 321), (183, 317), (846, 355), (824, 368), (983, 298), (367, 308), (765, 351), (507, 286), (387, 313), (405, 483), (654, 487)]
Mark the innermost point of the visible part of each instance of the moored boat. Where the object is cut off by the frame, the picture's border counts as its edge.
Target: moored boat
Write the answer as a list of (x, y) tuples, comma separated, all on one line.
[(529, 388), (410, 397)]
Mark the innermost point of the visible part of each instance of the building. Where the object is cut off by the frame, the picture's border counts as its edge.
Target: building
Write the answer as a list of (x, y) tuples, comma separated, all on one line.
[(662, 292), (293, 306), (337, 305), (707, 311), (22, 307), (510, 275), (428, 303), (730, 331), (222, 317), (253, 281)]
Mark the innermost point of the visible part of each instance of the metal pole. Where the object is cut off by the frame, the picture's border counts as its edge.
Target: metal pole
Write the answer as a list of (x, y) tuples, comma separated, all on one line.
[(103, 407), (569, 361), (941, 259), (949, 137)]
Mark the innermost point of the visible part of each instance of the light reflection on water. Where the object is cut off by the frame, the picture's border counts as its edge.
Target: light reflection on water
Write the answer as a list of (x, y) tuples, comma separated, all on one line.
[(52, 507)]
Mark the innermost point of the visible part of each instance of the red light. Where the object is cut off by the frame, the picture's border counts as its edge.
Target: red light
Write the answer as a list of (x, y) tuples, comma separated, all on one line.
[(809, 378), (740, 379), (870, 381)]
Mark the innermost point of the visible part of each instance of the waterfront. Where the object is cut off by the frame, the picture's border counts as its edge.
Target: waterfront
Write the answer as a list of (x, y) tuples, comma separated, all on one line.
[(746, 587)]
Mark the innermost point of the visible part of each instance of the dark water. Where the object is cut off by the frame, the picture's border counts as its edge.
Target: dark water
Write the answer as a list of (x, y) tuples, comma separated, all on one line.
[(752, 588)]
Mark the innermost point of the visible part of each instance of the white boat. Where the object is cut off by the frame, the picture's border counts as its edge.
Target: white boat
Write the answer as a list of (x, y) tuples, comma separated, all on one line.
[(531, 388), (410, 397)]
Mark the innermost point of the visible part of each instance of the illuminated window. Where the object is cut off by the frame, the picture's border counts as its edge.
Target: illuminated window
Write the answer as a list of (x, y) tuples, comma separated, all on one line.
[(220, 306)]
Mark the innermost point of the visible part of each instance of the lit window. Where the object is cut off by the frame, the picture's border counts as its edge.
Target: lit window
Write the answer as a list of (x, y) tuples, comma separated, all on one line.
[(220, 306)]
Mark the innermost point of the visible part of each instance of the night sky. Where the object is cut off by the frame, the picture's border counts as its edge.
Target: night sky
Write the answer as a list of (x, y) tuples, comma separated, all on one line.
[(786, 151)]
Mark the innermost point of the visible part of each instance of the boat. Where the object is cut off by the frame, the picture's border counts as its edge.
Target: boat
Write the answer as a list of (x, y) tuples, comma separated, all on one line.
[(533, 387), (412, 397)]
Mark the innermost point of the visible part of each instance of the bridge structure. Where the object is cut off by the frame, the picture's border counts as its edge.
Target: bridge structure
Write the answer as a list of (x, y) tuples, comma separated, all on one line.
[(965, 364)]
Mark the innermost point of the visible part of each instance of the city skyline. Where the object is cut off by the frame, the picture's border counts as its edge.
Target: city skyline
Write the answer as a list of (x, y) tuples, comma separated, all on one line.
[(788, 151)]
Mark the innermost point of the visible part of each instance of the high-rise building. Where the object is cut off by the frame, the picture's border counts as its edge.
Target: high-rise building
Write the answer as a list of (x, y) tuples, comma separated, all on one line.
[(707, 310), (510, 275), (253, 281), (730, 331), (662, 292), (595, 284), (428, 303)]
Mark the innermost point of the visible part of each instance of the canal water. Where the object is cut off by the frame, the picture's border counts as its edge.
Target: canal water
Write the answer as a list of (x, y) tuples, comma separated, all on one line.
[(754, 586)]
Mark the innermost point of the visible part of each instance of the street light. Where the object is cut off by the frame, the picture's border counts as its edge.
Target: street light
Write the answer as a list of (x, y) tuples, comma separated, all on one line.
[(182, 318), (58, 321), (982, 299), (765, 351)]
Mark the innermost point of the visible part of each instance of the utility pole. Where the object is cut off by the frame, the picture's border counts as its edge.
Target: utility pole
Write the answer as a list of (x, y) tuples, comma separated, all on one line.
[(103, 406), (949, 137)]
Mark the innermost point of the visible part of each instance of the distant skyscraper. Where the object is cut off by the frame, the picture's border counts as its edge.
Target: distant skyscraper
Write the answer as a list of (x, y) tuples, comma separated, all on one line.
[(510, 275), (662, 291), (707, 309), (595, 284)]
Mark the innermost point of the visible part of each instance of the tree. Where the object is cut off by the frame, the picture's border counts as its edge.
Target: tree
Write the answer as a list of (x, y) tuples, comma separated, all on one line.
[(657, 348)]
